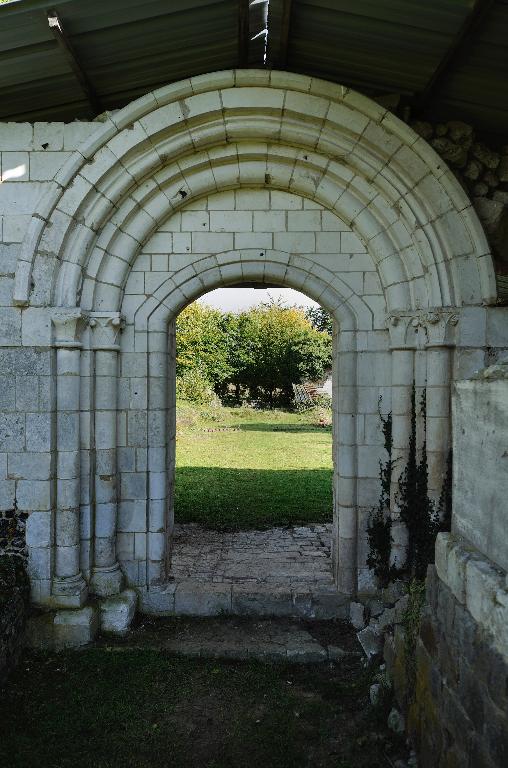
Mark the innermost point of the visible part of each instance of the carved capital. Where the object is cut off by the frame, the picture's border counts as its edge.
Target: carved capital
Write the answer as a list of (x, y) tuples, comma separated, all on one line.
[(402, 327), (106, 328), (440, 326), (68, 326), (423, 328)]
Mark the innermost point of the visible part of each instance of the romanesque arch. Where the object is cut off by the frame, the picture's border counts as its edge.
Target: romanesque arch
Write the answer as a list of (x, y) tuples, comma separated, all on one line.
[(423, 253)]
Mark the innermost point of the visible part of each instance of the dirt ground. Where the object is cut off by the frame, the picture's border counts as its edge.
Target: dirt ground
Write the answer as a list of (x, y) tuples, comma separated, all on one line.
[(115, 705)]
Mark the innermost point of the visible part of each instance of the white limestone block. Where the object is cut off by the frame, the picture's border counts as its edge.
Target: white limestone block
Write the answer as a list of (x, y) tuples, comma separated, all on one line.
[(29, 466), (39, 529), (39, 563), (15, 166), (78, 132), (38, 432), (211, 242), (269, 221), (34, 494), (294, 242), (74, 628), (15, 227), (16, 136), (248, 200), (117, 612), (7, 494), (483, 581), (230, 221)]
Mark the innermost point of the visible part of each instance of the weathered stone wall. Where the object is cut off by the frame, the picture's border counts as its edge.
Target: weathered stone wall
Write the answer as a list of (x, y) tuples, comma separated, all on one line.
[(482, 171), (479, 512), (236, 221), (84, 211), (13, 604), (457, 711), (452, 679), (31, 155)]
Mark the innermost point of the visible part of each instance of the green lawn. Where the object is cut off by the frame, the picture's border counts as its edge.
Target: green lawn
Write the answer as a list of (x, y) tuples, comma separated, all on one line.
[(139, 708), (239, 468)]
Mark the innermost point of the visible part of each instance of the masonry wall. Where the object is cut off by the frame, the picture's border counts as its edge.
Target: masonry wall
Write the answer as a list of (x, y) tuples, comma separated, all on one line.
[(458, 709), (31, 158), (223, 222), (479, 514)]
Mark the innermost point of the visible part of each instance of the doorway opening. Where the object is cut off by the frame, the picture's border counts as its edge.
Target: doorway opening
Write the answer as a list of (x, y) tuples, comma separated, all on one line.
[(253, 477)]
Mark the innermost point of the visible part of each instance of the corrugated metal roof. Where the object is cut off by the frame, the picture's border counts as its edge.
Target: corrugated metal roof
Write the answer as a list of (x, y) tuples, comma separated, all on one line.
[(128, 47)]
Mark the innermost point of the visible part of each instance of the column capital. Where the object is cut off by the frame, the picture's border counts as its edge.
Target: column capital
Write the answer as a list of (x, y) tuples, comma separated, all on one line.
[(440, 326), (403, 328), (421, 329), (68, 325), (106, 328)]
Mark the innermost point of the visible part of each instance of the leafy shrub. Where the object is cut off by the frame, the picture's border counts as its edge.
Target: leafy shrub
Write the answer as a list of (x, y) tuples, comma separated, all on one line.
[(323, 401), (194, 386)]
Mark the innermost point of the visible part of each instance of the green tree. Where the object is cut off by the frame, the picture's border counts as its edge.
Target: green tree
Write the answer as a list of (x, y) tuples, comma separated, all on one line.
[(262, 351), (320, 319), (279, 348), (202, 343)]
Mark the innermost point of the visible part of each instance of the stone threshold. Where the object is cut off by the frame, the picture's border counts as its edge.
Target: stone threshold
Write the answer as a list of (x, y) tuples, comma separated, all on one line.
[(191, 597), (280, 640)]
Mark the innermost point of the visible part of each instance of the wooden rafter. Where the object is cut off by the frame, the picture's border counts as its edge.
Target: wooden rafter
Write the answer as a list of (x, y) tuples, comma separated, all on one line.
[(67, 49), (470, 25), (284, 33), (243, 33), (279, 23)]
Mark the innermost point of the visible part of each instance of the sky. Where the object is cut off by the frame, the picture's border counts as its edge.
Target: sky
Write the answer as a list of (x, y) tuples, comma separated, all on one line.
[(238, 299)]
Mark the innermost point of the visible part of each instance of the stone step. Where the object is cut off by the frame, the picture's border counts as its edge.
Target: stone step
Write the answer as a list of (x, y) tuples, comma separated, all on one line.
[(280, 640), (191, 597)]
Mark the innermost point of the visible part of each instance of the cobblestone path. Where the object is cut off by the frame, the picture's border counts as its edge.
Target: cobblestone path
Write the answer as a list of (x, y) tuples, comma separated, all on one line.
[(279, 557)]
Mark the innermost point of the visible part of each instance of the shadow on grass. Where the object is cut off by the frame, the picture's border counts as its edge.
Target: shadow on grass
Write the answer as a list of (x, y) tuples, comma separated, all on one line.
[(273, 427), (240, 499), (143, 708)]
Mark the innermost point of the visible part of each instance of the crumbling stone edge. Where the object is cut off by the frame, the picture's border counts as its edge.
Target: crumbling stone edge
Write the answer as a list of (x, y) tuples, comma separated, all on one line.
[(14, 593)]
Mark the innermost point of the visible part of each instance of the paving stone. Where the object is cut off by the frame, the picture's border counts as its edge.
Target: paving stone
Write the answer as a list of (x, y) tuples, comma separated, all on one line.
[(271, 601), (280, 556), (192, 600), (267, 639)]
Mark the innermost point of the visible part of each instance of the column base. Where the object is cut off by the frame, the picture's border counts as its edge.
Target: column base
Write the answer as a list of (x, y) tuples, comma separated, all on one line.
[(106, 580), (57, 630), (117, 612), (69, 591)]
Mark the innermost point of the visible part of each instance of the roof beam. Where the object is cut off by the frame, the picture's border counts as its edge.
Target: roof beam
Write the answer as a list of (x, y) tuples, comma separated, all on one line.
[(243, 33), (279, 22), (70, 55), (471, 24)]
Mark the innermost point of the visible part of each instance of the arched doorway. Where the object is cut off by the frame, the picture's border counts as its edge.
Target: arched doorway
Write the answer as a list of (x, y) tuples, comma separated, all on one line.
[(387, 242)]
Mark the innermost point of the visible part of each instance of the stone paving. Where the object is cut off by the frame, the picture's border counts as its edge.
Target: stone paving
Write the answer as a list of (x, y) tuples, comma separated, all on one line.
[(279, 557), (278, 572), (268, 639)]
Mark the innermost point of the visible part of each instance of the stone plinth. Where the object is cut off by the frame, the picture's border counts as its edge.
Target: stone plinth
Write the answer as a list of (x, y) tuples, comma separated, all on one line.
[(480, 466)]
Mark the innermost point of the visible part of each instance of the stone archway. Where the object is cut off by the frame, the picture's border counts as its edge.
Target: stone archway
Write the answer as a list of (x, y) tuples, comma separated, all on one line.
[(267, 266), (423, 254)]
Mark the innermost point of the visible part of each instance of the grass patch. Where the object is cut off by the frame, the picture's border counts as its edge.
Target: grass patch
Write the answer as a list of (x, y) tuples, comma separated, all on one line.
[(239, 468), (141, 708)]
